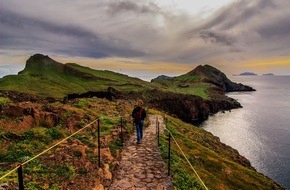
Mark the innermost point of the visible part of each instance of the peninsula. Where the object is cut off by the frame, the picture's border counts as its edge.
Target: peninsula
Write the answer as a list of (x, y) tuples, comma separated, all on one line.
[(48, 101)]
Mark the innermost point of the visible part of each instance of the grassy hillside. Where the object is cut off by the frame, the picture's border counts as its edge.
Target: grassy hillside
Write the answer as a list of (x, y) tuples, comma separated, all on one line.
[(219, 166), (189, 83), (204, 81), (25, 133), (45, 77), (72, 164)]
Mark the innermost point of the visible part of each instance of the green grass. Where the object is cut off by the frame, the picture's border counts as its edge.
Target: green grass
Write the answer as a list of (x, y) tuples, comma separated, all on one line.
[(198, 89), (186, 84), (107, 124), (65, 171), (81, 103), (182, 176)]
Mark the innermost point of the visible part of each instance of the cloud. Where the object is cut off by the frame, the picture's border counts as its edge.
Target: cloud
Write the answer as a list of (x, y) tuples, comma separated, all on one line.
[(239, 32), (261, 27), (124, 6), (217, 38), (23, 32)]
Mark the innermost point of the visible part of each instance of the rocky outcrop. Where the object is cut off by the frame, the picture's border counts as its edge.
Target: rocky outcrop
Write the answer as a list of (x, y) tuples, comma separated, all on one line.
[(205, 74), (110, 94), (161, 77), (214, 76), (192, 108), (18, 96), (186, 107)]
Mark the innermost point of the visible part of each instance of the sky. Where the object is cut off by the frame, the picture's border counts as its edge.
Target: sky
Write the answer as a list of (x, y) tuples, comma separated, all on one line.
[(147, 38)]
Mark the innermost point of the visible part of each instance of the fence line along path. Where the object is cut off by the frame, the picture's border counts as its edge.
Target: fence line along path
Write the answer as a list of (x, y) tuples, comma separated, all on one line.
[(141, 166)]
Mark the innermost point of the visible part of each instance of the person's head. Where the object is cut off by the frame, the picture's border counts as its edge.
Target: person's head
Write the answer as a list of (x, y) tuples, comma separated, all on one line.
[(139, 102)]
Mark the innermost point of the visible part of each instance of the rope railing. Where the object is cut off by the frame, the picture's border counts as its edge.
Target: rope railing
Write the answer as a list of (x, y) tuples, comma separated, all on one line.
[(187, 160), (19, 167)]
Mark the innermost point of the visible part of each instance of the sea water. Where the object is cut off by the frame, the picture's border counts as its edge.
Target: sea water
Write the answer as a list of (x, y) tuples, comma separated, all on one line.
[(260, 130)]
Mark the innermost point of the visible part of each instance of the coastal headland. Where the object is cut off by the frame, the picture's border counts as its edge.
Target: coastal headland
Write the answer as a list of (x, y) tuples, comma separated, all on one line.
[(49, 100)]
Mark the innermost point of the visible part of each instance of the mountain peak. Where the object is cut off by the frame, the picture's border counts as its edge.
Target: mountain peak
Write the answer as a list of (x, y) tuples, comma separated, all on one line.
[(39, 62), (210, 74), (40, 59)]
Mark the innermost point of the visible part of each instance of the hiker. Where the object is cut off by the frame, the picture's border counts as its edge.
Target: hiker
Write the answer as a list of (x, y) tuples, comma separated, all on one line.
[(139, 115)]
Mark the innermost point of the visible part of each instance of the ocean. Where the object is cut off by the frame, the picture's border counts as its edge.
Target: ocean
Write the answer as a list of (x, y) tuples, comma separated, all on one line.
[(260, 130)]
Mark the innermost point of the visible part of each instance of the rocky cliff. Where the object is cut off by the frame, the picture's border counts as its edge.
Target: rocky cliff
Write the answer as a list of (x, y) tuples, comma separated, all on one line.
[(214, 76)]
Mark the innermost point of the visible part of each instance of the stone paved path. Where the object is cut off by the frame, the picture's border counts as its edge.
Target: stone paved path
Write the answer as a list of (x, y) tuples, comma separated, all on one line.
[(141, 166)]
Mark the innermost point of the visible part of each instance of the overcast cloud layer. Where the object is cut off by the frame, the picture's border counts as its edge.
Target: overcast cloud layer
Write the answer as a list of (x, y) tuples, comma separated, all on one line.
[(242, 31)]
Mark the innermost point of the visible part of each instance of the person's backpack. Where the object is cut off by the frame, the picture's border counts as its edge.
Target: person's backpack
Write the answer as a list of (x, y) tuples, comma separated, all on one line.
[(138, 116)]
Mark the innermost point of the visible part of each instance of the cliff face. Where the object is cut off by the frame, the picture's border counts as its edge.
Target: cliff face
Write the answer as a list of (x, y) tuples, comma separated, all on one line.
[(186, 107), (187, 102), (190, 108)]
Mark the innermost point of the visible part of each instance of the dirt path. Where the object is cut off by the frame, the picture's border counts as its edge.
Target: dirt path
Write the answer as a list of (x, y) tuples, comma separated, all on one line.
[(142, 167)]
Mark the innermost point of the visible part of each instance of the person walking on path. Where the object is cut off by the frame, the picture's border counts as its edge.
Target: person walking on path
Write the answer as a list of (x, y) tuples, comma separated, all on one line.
[(139, 114)]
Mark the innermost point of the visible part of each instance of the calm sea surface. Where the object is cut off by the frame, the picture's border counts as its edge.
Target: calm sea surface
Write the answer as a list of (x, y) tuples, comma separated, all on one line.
[(260, 130)]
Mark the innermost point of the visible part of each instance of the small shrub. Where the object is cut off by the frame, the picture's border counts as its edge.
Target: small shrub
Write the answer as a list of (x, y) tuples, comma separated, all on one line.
[(46, 122), (32, 185), (54, 187), (65, 171), (54, 133), (36, 167), (68, 114), (81, 103), (4, 101), (39, 133), (86, 138), (77, 153), (17, 152), (114, 146), (82, 171)]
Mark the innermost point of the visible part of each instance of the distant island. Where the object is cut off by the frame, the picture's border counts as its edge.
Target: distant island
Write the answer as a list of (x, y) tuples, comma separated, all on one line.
[(268, 74), (248, 74)]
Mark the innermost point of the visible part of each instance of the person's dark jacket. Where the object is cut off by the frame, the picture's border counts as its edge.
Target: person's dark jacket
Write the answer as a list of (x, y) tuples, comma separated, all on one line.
[(138, 114)]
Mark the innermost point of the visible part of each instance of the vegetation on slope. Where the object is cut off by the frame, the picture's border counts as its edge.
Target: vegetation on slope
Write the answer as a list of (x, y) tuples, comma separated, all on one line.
[(73, 164), (45, 77), (33, 127), (219, 166)]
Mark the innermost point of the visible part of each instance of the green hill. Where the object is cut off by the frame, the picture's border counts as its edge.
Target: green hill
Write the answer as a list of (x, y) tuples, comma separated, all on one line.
[(192, 96), (205, 81), (45, 77)]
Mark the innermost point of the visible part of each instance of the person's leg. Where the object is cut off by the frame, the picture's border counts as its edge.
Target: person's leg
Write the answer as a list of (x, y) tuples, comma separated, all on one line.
[(141, 128), (138, 132)]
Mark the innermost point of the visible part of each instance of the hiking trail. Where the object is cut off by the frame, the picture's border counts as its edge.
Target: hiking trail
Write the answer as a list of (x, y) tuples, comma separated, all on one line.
[(141, 166)]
